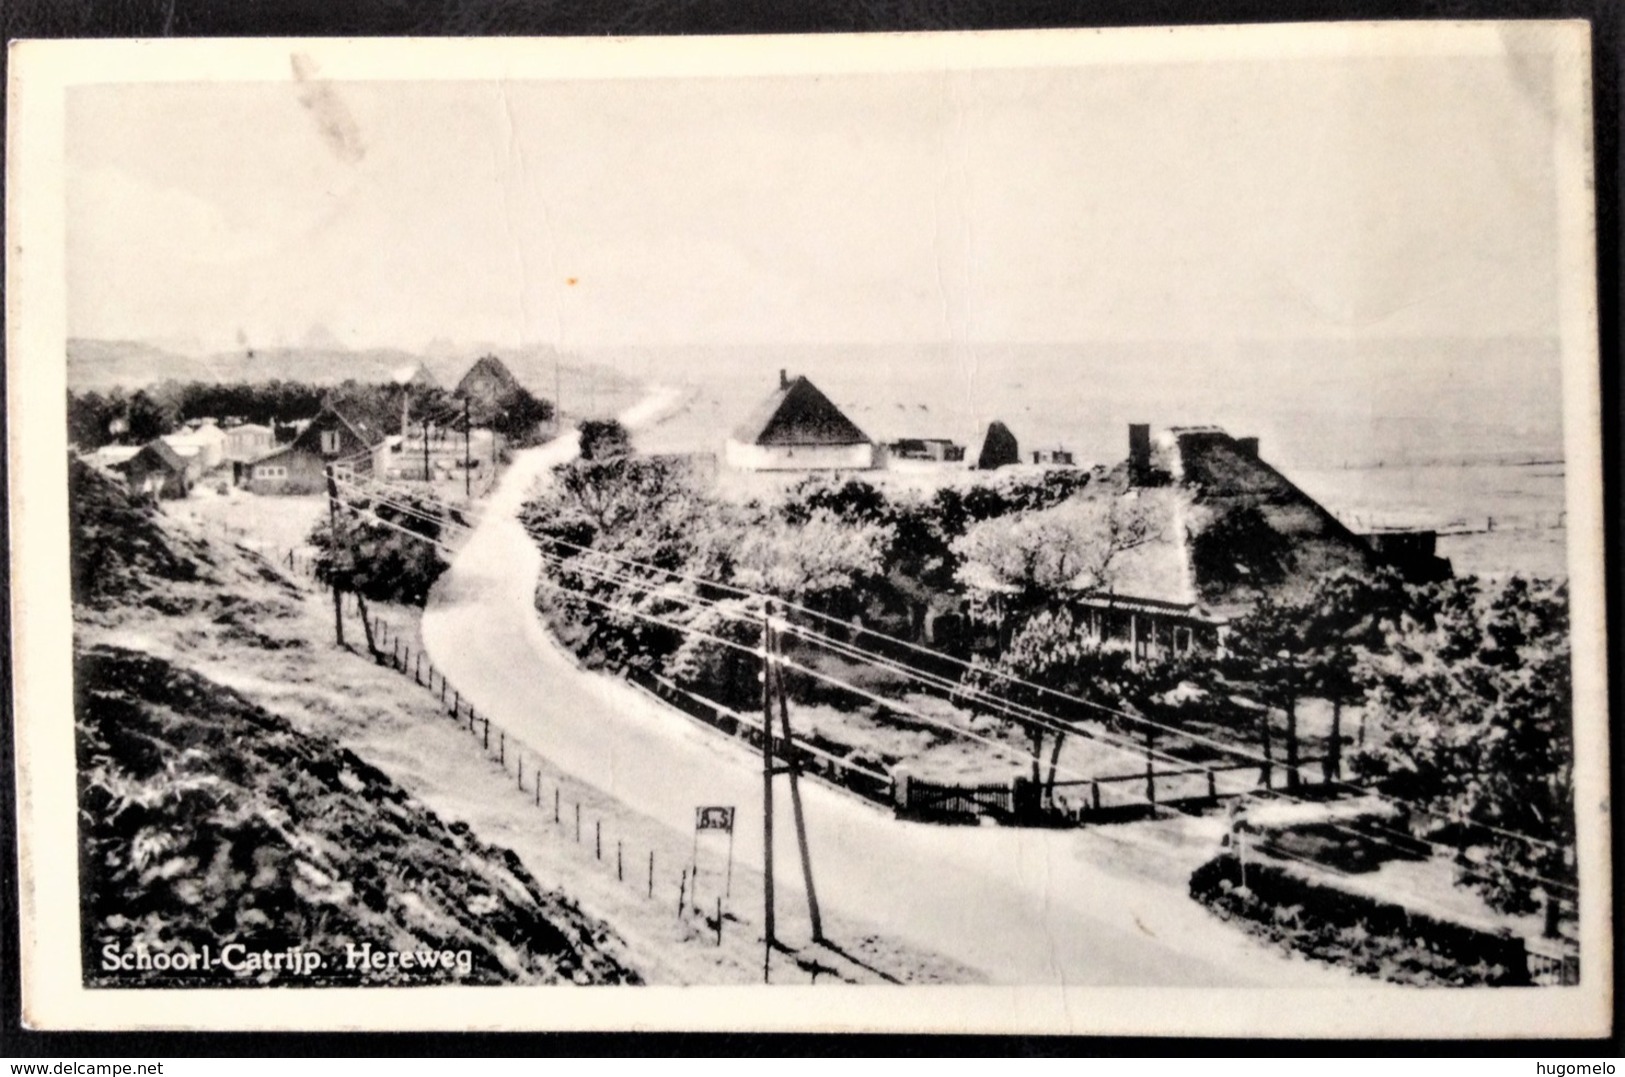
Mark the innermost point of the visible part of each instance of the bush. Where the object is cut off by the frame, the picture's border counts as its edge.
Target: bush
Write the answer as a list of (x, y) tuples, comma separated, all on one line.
[(1373, 937)]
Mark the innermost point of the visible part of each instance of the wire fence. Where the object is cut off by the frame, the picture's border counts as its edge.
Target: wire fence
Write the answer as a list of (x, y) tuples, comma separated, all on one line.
[(636, 864)]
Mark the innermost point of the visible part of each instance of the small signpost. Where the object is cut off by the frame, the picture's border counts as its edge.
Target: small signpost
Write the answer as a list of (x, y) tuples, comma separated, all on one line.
[(712, 819)]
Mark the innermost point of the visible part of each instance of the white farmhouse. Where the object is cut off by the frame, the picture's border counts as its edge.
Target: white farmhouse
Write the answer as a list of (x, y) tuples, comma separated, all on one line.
[(797, 428)]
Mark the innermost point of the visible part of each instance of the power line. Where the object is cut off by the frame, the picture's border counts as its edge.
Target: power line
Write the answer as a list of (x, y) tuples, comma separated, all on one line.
[(1228, 748)]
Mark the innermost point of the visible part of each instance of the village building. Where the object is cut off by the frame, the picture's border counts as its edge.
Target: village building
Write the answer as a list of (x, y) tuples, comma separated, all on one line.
[(417, 377), (112, 456), (999, 448), (1215, 531), (248, 441), (203, 445), (355, 446), (798, 428), (487, 382), (926, 450), (155, 470), (1056, 457)]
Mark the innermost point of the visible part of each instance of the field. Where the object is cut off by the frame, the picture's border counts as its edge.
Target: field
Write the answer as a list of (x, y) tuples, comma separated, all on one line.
[(1492, 518)]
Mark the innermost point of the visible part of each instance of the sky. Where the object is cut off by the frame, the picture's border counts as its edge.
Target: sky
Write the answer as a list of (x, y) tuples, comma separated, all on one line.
[(1307, 200)]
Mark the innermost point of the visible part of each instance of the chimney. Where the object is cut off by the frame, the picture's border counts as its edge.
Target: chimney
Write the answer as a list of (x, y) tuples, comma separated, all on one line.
[(1248, 447), (784, 378), (1139, 452)]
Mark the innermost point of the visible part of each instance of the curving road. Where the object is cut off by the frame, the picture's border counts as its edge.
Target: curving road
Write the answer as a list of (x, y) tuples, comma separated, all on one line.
[(1027, 907)]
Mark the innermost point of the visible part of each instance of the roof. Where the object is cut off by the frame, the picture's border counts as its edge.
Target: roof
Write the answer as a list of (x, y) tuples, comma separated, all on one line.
[(249, 428), (998, 447), (1257, 533), (264, 456), (415, 375), (186, 444), (1226, 532), (488, 366), (160, 450), (1158, 570), (799, 414), (370, 429), (115, 454)]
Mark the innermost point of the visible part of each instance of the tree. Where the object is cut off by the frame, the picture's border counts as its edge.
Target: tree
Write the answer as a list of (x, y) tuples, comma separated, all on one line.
[(604, 439), (90, 418), (1075, 546), (376, 556), (519, 414), (822, 561), (1472, 717), (1049, 650), (148, 417)]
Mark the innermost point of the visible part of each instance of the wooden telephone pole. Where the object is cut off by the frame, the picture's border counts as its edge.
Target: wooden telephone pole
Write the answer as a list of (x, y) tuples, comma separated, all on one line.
[(468, 485), (425, 448), (773, 685), (333, 553)]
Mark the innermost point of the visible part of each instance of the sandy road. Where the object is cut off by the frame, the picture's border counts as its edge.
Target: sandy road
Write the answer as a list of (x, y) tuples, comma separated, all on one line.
[(1025, 906)]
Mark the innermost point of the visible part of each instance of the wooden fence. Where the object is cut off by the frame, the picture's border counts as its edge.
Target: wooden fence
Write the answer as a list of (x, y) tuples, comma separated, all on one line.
[(818, 761)]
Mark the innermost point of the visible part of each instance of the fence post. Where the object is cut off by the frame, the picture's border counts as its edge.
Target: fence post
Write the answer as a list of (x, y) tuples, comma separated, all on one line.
[(521, 772), (651, 873), (1212, 787), (598, 840), (502, 746), (486, 742), (719, 920), (1094, 794), (456, 702), (578, 822), (417, 669), (620, 874), (555, 806), (538, 780), (682, 892)]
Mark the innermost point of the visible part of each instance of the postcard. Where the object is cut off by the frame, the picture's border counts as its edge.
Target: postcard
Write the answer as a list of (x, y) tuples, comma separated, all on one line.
[(1081, 531)]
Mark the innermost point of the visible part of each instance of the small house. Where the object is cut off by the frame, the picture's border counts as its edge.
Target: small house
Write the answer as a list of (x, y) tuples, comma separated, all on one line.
[(354, 446), (1056, 457), (207, 439), (487, 382), (798, 428), (248, 441), (155, 470), (932, 450)]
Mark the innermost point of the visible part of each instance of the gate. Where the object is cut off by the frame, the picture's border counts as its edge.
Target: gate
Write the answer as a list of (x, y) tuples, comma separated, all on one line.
[(918, 799)]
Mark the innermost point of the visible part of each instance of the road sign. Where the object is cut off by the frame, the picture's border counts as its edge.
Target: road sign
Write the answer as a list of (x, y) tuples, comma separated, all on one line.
[(714, 818)]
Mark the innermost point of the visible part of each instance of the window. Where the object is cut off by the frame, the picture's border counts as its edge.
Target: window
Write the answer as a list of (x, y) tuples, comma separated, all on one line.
[(268, 471), (330, 441)]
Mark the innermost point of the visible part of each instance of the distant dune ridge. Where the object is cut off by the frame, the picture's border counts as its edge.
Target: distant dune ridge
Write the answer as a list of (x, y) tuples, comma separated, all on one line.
[(1313, 403)]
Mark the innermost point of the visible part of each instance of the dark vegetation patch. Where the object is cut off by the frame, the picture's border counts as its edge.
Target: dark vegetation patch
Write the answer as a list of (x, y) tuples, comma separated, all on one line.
[(206, 821), (1372, 937)]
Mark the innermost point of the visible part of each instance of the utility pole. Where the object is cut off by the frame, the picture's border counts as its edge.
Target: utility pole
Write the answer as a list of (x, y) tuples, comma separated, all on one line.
[(333, 553), (767, 789), (794, 768), (468, 485), (425, 448)]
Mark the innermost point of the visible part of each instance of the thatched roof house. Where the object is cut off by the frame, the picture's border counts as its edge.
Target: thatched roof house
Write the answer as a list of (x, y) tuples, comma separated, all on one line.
[(798, 428)]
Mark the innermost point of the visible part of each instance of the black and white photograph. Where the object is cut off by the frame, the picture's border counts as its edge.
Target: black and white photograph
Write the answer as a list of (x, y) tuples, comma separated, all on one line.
[(1105, 522)]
